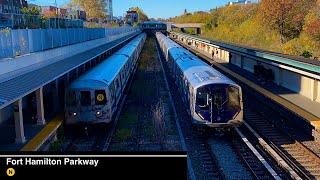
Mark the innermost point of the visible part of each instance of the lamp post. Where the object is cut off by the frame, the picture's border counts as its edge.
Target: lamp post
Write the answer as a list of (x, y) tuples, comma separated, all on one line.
[(56, 20), (12, 22)]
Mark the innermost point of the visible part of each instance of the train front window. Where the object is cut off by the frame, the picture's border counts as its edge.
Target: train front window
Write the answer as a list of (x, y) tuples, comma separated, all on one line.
[(202, 99), (85, 98), (71, 98), (217, 101), (100, 97), (233, 98)]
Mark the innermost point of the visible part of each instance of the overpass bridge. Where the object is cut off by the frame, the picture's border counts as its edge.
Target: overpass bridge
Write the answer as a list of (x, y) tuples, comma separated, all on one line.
[(38, 75), (156, 25)]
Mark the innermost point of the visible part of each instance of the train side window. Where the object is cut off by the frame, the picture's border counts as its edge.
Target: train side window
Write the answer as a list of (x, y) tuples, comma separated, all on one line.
[(116, 85), (100, 97), (233, 98), (85, 98), (111, 91), (217, 101), (71, 98), (118, 82)]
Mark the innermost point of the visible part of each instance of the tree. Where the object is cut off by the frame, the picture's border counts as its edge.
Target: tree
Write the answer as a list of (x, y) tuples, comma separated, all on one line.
[(93, 8), (32, 17), (285, 16), (50, 14), (142, 16), (312, 25), (31, 11)]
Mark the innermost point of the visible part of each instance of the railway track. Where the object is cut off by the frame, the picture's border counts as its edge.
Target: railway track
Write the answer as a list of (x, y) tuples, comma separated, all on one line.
[(256, 161), (138, 129), (207, 158), (299, 158), (284, 137)]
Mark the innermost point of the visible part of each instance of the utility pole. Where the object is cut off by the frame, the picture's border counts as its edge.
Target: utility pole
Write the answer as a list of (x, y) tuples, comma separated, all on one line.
[(12, 22), (55, 2), (56, 20)]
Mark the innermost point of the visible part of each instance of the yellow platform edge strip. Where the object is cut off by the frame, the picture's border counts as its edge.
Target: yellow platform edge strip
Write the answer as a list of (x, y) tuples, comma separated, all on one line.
[(36, 142)]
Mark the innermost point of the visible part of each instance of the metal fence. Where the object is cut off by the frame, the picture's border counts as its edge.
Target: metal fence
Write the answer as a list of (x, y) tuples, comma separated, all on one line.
[(22, 21), (63, 23), (16, 21), (18, 42)]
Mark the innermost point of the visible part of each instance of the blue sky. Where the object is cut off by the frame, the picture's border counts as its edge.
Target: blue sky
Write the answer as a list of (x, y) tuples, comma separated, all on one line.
[(154, 8)]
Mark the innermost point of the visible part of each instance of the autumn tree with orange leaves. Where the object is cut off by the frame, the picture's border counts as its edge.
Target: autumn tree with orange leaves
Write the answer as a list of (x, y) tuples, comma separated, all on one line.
[(312, 25), (285, 16)]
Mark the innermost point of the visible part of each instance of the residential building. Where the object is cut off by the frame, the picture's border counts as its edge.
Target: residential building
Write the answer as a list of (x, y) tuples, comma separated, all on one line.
[(49, 10), (10, 12), (76, 14), (62, 13), (132, 17), (239, 2)]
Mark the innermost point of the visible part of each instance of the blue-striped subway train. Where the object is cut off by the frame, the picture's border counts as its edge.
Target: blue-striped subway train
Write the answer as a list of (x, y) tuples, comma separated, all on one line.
[(94, 96), (212, 99)]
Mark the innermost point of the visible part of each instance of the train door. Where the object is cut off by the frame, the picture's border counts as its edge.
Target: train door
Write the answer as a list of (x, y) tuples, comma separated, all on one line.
[(117, 88), (85, 105), (127, 69), (211, 102), (112, 96), (218, 103), (191, 99), (130, 64), (122, 78), (234, 101)]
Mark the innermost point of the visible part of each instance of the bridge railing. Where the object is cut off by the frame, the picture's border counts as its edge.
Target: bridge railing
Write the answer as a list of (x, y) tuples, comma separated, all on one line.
[(18, 42)]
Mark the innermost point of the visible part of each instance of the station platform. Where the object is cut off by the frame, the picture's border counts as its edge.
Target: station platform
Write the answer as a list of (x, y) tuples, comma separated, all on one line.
[(303, 106), (35, 134)]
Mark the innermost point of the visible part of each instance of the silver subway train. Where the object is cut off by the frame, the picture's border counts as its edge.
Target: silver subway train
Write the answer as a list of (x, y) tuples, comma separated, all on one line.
[(94, 96), (212, 99)]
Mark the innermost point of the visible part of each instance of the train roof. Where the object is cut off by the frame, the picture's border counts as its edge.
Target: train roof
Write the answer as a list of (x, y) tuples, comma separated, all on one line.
[(101, 75), (169, 43), (195, 70), (104, 73)]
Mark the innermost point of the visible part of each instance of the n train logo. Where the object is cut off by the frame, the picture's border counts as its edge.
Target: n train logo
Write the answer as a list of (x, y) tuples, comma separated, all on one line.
[(100, 97), (10, 171)]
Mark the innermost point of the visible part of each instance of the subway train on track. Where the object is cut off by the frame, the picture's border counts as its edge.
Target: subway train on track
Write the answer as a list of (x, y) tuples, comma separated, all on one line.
[(94, 96), (212, 99)]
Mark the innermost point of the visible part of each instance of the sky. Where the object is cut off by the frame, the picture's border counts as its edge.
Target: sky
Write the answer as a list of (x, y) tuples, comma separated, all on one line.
[(153, 8)]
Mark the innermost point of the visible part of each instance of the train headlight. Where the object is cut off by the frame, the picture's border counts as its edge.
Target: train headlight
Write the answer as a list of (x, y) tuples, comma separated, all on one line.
[(98, 113), (74, 114)]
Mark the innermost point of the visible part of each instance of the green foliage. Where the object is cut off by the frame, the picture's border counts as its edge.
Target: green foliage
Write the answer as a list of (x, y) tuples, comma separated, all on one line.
[(31, 11), (291, 27), (123, 134), (93, 8), (306, 54), (56, 145), (5, 30)]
